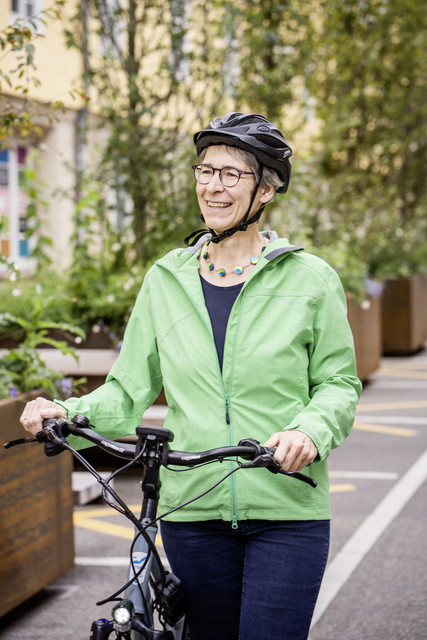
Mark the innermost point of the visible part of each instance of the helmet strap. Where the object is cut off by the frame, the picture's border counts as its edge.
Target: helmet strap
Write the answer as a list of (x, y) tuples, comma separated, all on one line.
[(194, 237)]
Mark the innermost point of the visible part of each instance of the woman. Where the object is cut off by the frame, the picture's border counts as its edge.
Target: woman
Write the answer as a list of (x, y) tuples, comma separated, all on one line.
[(248, 335)]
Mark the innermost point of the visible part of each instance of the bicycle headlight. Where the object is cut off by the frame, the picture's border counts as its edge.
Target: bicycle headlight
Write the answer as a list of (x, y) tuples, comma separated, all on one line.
[(123, 611)]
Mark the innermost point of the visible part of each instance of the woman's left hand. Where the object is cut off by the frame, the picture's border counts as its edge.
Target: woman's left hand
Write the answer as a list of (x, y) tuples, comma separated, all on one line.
[(295, 450)]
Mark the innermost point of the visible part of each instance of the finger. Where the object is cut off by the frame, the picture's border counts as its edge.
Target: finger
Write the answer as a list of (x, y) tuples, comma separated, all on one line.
[(291, 451), (36, 411), (53, 412), (283, 450), (302, 455), (29, 416), (279, 440), (273, 440)]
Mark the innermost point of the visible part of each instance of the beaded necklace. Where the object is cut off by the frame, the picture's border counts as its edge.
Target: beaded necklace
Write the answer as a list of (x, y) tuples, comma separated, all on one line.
[(237, 269)]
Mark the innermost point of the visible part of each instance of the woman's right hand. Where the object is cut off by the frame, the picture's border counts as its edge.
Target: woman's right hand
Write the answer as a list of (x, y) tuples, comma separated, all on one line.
[(38, 410)]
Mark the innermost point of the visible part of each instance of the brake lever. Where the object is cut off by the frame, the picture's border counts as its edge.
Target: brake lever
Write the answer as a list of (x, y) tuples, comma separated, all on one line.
[(298, 475), (50, 448), (267, 461), (41, 436), (14, 443)]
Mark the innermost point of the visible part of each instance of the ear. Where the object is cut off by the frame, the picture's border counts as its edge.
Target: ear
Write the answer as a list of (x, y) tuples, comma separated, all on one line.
[(266, 194)]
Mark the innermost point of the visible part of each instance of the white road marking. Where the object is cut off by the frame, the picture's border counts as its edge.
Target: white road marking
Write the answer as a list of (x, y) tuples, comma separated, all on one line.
[(399, 384), (351, 555), (110, 561), (391, 419), (365, 475)]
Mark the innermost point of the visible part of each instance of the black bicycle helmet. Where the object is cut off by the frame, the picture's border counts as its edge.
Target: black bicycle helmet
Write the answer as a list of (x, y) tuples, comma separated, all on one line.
[(254, 133)]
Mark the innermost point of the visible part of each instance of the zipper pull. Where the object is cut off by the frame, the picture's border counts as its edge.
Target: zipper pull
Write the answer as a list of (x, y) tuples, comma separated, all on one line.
[(227, 405), (234, 522)]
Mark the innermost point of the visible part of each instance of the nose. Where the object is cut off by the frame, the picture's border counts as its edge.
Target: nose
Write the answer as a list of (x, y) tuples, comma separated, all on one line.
[(215, 183)]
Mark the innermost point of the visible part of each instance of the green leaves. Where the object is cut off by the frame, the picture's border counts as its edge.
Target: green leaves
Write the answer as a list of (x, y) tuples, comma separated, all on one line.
[(368, 171), (17, 73), (22, 369)]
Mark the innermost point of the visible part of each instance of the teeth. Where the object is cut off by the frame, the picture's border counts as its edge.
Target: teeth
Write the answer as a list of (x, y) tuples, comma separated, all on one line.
[(219, 205)]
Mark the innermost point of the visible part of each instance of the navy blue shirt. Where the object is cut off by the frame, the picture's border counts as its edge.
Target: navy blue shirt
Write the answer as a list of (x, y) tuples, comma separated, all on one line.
[(219, 301)]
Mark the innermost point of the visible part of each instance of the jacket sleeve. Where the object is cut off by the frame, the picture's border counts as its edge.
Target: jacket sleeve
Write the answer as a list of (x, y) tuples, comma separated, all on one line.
[(115, 409), (334, 387)]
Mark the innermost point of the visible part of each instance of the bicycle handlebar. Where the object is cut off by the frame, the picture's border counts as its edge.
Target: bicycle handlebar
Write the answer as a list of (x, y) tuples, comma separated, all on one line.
[(152, 451), (55, 431)]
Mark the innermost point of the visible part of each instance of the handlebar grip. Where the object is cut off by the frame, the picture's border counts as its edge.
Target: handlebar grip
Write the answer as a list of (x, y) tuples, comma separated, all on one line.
[(51, 449), (59, 427)]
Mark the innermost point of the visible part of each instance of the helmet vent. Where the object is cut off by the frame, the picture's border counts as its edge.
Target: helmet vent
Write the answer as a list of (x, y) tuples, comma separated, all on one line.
[(270, 141)]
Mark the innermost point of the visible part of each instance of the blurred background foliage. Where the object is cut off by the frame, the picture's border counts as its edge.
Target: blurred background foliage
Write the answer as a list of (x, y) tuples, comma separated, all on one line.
[(344, 80)]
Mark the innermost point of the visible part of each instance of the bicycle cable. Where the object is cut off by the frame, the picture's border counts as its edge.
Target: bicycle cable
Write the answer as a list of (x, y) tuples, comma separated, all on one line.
[(142, 531), (123, 509), (204, 493)]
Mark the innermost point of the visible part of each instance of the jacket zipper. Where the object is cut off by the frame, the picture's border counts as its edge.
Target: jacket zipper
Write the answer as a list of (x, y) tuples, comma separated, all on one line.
[(227, 407), (234, 520)]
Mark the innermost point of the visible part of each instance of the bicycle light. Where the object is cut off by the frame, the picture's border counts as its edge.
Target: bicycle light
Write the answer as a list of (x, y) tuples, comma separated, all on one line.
[(123, 612)]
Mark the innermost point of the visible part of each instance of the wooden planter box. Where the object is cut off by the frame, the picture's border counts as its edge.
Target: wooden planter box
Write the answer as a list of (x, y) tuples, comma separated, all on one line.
[(404, 315), (94, 340), (365, 323), (36, 513)]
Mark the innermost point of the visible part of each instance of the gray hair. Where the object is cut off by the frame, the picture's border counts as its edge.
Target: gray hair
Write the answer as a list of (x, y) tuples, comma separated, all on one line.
[(270, 177)]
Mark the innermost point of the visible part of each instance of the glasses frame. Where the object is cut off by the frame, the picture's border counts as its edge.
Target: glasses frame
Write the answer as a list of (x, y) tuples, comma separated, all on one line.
[(241, 173)]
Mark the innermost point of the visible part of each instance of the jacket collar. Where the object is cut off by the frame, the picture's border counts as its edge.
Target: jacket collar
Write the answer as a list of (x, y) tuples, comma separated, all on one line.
[(186, 258)]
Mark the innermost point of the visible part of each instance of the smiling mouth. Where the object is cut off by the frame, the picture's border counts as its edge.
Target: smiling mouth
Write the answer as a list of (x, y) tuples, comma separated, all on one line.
[(219, 205)]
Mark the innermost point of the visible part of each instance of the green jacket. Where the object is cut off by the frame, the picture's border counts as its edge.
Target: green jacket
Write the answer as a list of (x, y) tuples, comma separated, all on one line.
[(288, 364)]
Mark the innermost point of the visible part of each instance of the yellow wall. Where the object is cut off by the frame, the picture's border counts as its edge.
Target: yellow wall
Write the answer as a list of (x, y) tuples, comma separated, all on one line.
[(57, 68)]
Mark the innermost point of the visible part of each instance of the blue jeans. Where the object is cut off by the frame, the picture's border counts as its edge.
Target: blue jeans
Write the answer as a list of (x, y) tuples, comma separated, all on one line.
[(257, 582)]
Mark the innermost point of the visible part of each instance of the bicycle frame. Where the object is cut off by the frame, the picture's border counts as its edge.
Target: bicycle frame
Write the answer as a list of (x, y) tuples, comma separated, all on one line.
[(145, 568)]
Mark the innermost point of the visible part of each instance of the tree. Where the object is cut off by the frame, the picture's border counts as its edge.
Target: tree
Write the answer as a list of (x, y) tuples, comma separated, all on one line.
[(147, 84), (19, 111), (370, 88), (273, 46), (270, 50)]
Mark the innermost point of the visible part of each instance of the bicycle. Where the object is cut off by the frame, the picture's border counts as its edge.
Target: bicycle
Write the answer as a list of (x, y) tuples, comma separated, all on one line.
[(152, 595)]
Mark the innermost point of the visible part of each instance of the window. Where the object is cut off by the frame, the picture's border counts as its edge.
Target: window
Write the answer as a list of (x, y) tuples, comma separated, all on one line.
[(13, 204), (25, 10)]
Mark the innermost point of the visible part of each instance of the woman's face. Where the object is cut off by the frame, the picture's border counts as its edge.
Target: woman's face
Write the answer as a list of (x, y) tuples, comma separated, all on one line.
[(225, 207)]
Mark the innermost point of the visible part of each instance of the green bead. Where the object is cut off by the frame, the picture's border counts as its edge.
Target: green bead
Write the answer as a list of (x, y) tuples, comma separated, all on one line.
[(211, 266), (254, 259), (239, 269), (221, 272)]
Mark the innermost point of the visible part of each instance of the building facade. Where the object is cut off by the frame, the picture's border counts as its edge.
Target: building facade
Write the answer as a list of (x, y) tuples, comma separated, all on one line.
[(53, 150)]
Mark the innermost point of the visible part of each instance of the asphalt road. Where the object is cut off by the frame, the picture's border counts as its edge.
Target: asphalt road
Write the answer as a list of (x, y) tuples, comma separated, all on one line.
[(375, 587)]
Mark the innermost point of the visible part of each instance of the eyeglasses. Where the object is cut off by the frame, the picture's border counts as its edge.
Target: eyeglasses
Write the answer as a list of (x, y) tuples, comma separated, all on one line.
[(229, 176)]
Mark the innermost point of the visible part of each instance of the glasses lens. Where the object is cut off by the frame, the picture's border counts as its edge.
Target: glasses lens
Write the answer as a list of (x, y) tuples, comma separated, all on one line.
[(229, 176), (203, 173)]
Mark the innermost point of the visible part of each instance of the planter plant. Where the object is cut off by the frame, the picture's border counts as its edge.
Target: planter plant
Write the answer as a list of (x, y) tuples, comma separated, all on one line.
[(22, 368)]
